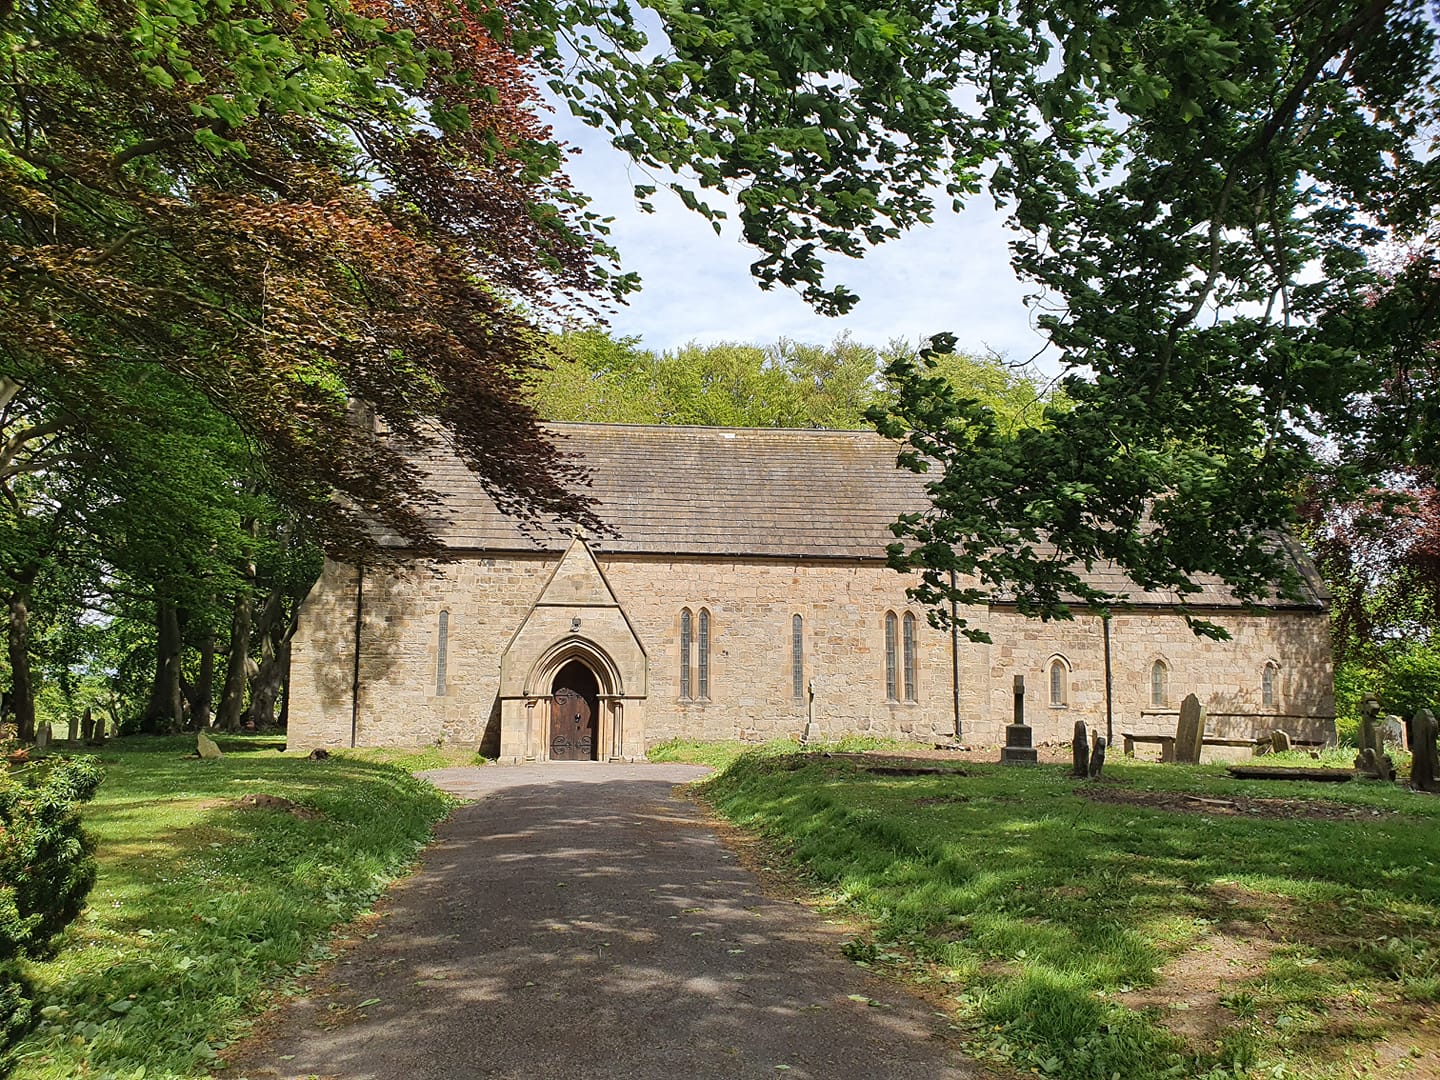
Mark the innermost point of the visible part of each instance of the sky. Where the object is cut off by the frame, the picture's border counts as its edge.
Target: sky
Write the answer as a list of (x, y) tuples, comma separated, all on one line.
[(954, 275)]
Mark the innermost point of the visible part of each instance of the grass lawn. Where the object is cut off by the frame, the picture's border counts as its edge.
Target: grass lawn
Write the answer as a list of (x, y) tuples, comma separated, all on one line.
[(1183, 927), (203, 903)]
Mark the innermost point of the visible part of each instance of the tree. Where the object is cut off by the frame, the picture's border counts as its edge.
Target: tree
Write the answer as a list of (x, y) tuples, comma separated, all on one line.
[(1203, 196), (292, 209)]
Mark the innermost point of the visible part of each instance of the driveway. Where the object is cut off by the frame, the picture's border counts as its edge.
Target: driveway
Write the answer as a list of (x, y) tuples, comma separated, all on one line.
[(580, 921)]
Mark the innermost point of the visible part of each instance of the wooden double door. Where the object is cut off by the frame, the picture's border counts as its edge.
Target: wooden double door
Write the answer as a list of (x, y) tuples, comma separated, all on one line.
[(574, 714)]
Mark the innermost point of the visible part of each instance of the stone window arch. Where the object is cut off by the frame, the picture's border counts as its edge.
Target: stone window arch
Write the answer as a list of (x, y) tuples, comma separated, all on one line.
[(686, 635), (892, 677), (702, 655), (1270, 685), (442, 653), (1159, 684), (908, 642), (1058, 679), (797, 656)]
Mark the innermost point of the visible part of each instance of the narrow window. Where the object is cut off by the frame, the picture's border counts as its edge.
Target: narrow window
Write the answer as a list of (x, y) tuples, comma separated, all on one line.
[(1267, 686), (908, 626), (891, 689), (685, 629), (704, 656), (441, 649), (1159, 678), (797, 656), (1057, 682)]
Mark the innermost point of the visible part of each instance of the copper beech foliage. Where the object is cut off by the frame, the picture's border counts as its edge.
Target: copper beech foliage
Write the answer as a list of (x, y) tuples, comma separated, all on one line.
[(295, 207)]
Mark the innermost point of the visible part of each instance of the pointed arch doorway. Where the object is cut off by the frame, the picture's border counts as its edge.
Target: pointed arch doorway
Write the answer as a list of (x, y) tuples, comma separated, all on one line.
[(574, 713)]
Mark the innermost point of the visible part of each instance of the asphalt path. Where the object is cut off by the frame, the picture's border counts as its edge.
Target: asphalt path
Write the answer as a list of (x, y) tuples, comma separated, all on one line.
[(580, 921)]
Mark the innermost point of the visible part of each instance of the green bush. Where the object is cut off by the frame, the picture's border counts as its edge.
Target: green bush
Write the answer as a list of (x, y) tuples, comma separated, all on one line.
[(47, 866), (1404, 676)]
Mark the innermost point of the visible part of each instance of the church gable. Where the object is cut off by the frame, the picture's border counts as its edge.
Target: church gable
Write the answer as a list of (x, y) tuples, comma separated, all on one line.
[(577, 581)]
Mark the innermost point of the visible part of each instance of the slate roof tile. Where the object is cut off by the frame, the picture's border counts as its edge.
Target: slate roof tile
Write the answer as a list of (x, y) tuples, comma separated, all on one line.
[(768, 492)]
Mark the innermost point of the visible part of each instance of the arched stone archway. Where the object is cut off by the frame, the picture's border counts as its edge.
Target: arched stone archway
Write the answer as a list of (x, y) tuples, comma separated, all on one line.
[(575, 621)]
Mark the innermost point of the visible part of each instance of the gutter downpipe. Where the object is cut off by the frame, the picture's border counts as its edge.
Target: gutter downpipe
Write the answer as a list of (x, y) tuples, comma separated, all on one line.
[(955, 654), (1109, 687), (355, 684)]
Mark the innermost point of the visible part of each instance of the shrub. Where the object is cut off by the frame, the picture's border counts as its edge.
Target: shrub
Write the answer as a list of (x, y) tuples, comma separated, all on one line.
[(47, 867)]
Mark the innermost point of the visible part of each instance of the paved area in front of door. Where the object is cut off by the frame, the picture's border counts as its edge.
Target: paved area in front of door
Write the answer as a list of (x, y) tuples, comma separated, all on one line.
[(579, 921)]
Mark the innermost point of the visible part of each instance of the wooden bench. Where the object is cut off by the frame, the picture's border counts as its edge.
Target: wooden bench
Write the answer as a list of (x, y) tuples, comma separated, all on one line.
[(1167, 744)]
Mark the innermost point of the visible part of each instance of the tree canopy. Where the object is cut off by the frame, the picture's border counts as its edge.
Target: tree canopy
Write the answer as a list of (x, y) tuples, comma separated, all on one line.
[(293, 208), (1227, 212), (593, 376)]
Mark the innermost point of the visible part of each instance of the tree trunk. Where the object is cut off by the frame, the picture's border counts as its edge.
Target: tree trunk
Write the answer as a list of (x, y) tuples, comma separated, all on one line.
[(165, 711), (202, 700), (266, 686), (285, 654), (232, 697), (22, 689)]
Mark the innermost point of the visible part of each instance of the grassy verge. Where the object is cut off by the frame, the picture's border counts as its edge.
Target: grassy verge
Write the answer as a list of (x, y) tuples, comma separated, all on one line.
[(1075, 938), (720, 755), (202, 903)]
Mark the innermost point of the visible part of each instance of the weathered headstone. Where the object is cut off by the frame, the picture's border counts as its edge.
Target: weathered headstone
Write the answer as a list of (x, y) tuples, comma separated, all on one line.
[(1019, 747), (1190, 731), (1080, 750), (206, 747), (1370, 737), (97, 737), (1097, 757), (1392, 732), (1425, 756), (74, 732), (1279, 741), (1372, 762), (87, 726), (42, 737)]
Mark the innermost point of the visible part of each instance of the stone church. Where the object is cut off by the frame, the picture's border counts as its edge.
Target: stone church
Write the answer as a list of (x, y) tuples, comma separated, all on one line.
[(742, 593)]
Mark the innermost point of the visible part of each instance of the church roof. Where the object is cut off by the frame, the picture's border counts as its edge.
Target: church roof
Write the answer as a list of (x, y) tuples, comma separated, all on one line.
[(706, 491), (766, 492)]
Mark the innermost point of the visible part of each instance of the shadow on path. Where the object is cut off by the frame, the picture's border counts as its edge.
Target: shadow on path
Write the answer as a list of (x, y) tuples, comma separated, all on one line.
[(579, 921)]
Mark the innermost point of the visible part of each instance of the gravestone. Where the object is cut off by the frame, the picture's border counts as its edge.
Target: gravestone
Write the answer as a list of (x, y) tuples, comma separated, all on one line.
[(42, 738), (1425, 759), (1279, 741), (1371, 737), (1372, 762), (1097, 757), (97, 736), (87, 726), (1019, 747), (1392, 732), (1080, 750), (206, 747), (1190, 731), (74, 731)]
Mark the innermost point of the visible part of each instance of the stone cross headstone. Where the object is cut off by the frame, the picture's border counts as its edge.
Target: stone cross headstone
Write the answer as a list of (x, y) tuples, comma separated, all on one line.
[(87, 726), (1080, 750), (1019, 748), (1425, 759), (1190, 730), (1097, 757), (74, 732), (1279, 741), (1370, 737), (206, 747)]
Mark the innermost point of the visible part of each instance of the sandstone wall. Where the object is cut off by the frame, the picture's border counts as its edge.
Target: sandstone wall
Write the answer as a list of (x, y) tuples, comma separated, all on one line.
[(1225, 675), (751, 603)]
